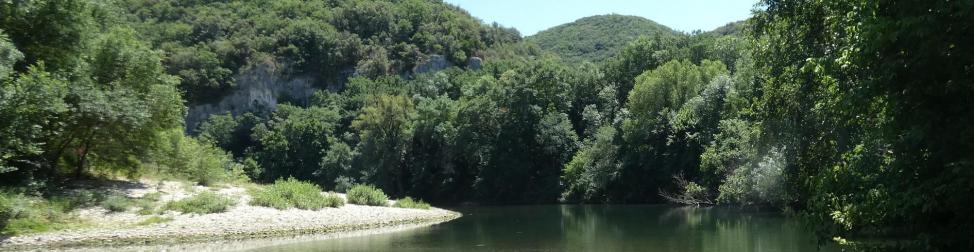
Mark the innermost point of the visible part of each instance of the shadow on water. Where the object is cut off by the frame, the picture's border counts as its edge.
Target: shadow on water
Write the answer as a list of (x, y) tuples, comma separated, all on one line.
[(588, 228)]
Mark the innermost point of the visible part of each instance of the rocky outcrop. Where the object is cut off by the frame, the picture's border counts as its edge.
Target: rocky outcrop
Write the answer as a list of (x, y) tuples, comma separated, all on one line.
[(263, 86), (258, 88), (432, 63), (475, 63)]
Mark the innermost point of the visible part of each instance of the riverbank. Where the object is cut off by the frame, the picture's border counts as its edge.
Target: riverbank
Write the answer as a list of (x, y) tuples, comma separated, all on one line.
[(240, 221)]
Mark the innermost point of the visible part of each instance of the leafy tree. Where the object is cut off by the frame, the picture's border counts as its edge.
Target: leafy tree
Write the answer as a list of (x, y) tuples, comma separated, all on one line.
[(385, 127), (641, 55), (9, 56), (293, 142), (867, 97), (735, 145), (595, 168), (31, 109), (432, 151), (654, 148)]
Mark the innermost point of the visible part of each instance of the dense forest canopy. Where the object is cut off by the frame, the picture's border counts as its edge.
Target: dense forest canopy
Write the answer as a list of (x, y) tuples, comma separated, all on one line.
[(852, 114), (597, 38)]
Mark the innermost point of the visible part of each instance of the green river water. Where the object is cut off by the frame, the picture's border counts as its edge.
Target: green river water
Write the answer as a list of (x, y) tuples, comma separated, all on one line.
[(648, 228)]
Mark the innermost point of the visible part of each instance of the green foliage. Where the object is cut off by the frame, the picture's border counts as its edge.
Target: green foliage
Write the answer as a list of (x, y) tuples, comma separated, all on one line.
[(6, 212), (117, 203), (367, 195), (385, 128), (594, 168), (9, 55), (866, 96), (643, 54), (597, 38), (319, 39), (290, 144), (409, 202), (288, 193), (87, 94), (757, 183), (28, 214), (205, 202), (734, 146), (198, 161)]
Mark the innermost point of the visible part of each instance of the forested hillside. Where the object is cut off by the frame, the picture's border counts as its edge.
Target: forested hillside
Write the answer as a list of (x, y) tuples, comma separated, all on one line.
[(597, 38), (851, 114)]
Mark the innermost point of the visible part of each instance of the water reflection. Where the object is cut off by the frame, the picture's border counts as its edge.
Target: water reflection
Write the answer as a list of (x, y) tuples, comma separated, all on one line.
[(587, 228)]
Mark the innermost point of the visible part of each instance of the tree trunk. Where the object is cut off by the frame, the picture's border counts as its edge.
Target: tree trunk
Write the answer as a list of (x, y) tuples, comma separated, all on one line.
[(82, 162)]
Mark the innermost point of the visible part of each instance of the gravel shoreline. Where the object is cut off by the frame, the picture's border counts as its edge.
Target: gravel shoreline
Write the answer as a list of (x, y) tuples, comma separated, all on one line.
[(241, 222)]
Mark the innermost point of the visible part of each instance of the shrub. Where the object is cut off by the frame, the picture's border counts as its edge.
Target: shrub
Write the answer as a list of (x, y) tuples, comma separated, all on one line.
[(6, 212), (79, 199), (288, 193), (117, 203), (24, 214), (757, 184), (334, 200), (367, 195), (202, 203), (408, 202), (198, 161)]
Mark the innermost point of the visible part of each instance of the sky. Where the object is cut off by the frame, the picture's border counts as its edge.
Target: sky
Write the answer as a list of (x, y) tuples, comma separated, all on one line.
[(532, 16)]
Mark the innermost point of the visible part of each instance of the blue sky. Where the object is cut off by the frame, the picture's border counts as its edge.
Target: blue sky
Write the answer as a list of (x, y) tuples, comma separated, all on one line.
[(531, 16)]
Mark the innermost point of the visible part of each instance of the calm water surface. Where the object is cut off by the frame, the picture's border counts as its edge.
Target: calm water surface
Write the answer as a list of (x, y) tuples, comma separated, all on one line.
[(588, 228)]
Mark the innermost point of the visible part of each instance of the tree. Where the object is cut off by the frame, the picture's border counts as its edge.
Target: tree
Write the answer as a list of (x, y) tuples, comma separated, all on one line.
[(433, 149), (294, 141), (866, 95), (656, 143), (641, 55), (595, 168), (117, 115), (385, 127), (9, 56)]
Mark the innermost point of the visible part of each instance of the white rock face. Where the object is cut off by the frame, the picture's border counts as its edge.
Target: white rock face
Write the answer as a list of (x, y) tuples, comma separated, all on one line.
[(433, 63), (260, 87), (475, 63)]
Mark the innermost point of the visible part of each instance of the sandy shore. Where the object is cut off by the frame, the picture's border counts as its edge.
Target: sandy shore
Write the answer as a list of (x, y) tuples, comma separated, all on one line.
[(242, 221)]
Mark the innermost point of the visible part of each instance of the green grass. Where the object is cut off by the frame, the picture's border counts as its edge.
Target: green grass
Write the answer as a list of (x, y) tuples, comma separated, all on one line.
[(20, 214), (367, 195), (154, 220), (202, 203), (147, 204), (408, 202), (284, 194)]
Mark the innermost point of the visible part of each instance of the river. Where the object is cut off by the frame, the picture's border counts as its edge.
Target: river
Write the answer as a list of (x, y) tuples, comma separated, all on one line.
[(651, 228)]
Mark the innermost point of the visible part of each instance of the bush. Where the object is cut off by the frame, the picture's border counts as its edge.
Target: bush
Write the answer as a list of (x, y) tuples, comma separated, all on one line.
[(367, 195), (25, 214), (288, 193), (6, 212), (408, 202), (198, 161), (202, 203), (117, 203), (757, 184), (334, 200)]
